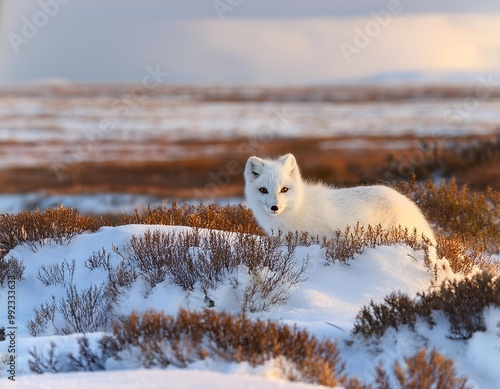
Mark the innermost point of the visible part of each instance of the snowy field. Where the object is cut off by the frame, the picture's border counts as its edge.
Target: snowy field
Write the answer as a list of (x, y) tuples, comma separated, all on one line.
[(93, 204), (325, 304), (97, 204), (41, 127), (69, 123)]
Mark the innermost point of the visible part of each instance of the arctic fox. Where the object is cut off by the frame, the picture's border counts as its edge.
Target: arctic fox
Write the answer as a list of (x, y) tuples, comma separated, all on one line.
[(282, 201)]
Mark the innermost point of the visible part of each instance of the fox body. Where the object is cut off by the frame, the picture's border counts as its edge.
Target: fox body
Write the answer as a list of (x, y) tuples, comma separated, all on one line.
[(282, 201)]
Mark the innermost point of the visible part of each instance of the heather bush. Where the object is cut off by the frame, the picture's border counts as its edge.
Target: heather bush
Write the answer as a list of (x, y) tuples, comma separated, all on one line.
[(57, 274), (354, 239), (156, 340), (86, 359), (423, 371), (272, 266), (11, 268), (119, 277), (191, 258), (36, 229), (89, 360), (44, 314), (234, 218), (40, 363), (83, 310), (215, 259), (397, 310), (462, 302), (465, 257), (160, 340), (100, 259), (151, 254), (472, 217), (88, 310)]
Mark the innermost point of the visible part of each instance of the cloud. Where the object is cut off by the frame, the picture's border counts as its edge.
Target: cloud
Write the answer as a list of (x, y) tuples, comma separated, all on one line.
[(426, 43), (308, 50), (118, 43)]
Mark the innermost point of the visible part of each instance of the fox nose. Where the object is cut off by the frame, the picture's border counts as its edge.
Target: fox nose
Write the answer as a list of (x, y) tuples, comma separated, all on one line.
[(274, 208)]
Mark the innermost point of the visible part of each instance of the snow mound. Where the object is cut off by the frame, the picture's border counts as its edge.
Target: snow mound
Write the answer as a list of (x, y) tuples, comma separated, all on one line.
[(326, 304), (156, 379)]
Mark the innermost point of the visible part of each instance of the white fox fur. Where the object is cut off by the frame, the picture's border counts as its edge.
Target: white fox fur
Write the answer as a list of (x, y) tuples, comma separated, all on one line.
[(282, 201)]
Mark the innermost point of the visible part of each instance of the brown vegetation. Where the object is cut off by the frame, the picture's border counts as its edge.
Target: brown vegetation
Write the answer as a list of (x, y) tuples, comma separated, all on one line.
[(156, 255), (424, 371), (473, 160), (156, 340), (35, 229), (163, 340), (190, 258), (473, 217), (345, 244), (462, 302), (237, 218)]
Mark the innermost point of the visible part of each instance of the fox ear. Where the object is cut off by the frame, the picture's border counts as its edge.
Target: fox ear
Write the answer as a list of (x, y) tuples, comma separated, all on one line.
[(254, 168), (290, 162)]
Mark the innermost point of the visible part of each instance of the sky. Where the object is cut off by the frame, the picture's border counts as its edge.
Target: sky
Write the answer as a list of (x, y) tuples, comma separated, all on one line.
[(280, 42)]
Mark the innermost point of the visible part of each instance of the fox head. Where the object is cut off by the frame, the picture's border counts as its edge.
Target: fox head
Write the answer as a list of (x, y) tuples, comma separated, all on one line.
[(273, 186)]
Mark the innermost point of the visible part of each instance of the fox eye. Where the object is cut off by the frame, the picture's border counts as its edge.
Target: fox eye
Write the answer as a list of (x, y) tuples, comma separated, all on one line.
[(263, 190), (284, 189)]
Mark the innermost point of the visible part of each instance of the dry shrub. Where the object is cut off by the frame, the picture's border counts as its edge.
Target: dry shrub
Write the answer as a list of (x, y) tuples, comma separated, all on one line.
[(353, 240), (11, 269), (462, 302), (207, 258), (424, 371), (100, 259), (162, 340), (273, 269), (86, 359), (57, 274), (464, 257), (44, 314), (151, 253), (160, 254), (40, 363), (36, 229), (86, 311), (235, 218), (119, 277), (89, 360), (215, 258), (473, 217), (397, 310)]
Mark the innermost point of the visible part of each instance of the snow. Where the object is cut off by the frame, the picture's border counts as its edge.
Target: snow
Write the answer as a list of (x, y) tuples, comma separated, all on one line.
[(155, 379), (325, 304), (57, 129), (99, 203), (90, 203)]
